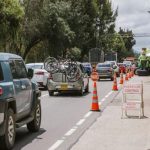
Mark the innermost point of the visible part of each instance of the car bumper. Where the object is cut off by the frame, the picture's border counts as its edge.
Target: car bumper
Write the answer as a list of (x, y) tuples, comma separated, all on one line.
[(3, 110), (62, 86), (105, 76)]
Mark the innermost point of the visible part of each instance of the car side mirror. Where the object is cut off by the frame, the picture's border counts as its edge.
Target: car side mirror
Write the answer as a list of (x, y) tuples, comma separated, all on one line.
[(30, 73)]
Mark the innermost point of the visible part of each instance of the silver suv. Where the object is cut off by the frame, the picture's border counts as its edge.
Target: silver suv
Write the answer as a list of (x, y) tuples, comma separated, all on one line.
[(58, 82)]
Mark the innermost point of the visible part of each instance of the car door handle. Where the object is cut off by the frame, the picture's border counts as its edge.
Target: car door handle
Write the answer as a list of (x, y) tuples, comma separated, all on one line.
[(23, 87)]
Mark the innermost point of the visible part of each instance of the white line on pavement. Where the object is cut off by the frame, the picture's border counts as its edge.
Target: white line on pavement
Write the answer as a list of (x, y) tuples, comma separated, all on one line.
[(80, 122), (70, 132), (108, 94), (102, 100), (88, 114), (56, 145)]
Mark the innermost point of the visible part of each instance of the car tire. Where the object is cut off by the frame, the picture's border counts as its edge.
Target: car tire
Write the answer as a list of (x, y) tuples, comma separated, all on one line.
[(81, 92), (51, 93), (112, 78), (136, 72), (34, 125), (143, 72), (7, 141), (45, 87)]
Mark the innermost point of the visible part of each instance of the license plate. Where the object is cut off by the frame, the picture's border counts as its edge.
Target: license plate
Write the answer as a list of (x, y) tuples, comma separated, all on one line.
[(64, 86)]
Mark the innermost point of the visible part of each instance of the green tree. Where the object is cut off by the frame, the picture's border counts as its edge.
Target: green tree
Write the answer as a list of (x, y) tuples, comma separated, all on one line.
[(128, 38), (11, 15), (118, 46), (81, 20), (107, 17), (56, 28)]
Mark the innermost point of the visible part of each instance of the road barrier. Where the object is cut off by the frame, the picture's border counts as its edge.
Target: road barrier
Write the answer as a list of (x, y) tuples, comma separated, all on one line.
[(95, 105), (121, 77), (115, 88), (126, 76), (136, 103)]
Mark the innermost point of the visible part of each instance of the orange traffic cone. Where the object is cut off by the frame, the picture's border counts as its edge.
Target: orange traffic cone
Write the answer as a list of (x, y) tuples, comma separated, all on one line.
[(115, 88), (129, 74), (126, 77), (121, 77), (95, 105), (132, 72)]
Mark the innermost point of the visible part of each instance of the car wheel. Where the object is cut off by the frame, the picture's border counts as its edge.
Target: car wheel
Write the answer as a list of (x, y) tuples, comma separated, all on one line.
[(112, 78), (51, 93), (143, 72), (34, 125), (7, 141), (45, 87), (81, 92)]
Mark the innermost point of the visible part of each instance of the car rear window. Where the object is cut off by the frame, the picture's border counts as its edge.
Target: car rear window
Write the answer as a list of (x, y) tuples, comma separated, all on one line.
[(86, 65), (1, 73), (104, 65), (34, 66)]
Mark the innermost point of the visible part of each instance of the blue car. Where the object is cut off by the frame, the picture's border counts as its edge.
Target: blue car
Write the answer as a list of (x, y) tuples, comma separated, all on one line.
[(19, 99), (88, 68)]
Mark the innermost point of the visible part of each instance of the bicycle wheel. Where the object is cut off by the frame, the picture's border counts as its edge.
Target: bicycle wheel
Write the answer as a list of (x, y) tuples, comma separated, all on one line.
[(73, 72), (51, 65)]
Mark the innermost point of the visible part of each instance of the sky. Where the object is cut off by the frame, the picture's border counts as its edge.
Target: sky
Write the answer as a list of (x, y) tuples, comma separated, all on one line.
[(133, 15)]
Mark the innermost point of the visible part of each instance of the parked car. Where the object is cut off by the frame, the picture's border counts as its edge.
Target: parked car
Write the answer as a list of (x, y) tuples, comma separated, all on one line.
[(105, 70), (88, 68), (128, 63), (122, 67), (40, 74), (59, 82), (19, 99), (114, 66)]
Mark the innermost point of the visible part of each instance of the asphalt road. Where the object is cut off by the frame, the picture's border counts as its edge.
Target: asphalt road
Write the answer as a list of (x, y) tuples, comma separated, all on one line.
[(62, 115)]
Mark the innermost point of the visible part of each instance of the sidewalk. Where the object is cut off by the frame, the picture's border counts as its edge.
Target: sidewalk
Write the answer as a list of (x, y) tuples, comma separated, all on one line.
[(110, 132)]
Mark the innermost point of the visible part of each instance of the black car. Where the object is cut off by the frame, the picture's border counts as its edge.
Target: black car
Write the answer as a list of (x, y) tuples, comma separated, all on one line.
[(88, 68)]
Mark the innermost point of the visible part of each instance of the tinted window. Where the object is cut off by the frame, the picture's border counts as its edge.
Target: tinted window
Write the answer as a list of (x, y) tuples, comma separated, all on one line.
[(1, 73), (104, 65), (20, 69), (34, 66), (13, 69), (87, 65)]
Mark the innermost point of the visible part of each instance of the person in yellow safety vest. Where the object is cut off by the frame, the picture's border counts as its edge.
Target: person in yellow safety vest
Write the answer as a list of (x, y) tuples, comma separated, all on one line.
[(143, 59)]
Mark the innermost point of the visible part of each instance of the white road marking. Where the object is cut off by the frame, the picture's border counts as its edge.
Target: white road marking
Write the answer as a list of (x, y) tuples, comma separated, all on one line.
[(44, 95), (102, 100), (70, 132), (109, 94), (80, 122), (56, 145), (88, 114)]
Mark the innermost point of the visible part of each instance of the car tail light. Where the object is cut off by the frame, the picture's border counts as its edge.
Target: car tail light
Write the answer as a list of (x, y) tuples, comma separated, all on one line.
[(40, 73), (1, 91)]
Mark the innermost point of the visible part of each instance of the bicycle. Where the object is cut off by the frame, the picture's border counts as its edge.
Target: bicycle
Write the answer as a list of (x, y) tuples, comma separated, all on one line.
[(65, 66)]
